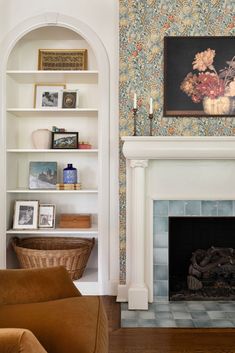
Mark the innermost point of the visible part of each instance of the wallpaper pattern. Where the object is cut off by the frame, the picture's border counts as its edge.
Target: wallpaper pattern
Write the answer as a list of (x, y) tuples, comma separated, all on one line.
[(143, 26)]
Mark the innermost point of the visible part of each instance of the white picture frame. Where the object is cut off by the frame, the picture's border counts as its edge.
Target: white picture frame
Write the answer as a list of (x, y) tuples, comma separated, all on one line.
[(46, 216), (48, 96), (25, 214)]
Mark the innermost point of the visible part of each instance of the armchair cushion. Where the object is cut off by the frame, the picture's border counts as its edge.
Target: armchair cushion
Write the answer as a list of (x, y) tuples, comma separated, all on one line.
[(16, 340), (35, 285)]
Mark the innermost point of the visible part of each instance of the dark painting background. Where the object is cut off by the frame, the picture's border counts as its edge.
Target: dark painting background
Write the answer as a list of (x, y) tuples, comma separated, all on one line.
[(179, 53)]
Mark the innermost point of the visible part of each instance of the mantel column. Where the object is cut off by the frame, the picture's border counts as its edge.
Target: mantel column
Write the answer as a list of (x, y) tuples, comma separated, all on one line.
[(138, 292)]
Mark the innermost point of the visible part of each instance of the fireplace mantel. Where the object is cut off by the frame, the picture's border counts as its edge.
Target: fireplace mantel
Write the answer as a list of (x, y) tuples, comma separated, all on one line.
[(197, 176), (179, 147)]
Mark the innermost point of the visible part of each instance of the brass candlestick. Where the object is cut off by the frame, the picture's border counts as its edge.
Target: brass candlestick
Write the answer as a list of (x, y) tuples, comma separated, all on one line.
[(134, 118), (151, 124)]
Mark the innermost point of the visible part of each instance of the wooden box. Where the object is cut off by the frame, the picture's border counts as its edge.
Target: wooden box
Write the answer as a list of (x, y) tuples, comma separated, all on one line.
[(74, 220)]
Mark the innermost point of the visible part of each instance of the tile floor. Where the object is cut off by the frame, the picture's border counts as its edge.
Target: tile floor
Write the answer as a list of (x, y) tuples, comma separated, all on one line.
[(181, 314)]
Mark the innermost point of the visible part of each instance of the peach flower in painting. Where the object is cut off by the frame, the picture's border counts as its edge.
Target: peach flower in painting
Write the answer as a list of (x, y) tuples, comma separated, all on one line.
[(204, 60)]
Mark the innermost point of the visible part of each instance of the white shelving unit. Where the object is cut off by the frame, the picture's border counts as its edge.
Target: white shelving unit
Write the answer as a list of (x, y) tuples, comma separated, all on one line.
[(93, 164)]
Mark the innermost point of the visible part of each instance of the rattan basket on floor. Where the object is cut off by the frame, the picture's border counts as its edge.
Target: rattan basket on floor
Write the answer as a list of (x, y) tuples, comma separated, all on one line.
[(38, 252)]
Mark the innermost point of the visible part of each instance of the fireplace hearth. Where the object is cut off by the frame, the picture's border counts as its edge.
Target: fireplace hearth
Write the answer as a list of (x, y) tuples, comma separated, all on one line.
[(201, 258)]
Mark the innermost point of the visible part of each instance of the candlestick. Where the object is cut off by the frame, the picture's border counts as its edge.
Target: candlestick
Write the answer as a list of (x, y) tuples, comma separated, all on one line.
[(151, 125), (151, 106), (134, 118), (135, 101)]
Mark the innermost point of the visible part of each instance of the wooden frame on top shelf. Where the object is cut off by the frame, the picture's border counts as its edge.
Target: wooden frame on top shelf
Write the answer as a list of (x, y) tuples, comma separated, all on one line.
[(62, 59)]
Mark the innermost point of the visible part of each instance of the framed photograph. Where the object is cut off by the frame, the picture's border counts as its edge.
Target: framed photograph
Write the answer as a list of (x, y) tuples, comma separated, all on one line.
[(65, 140), (70, 99), (46, 216), (25, 215), (199, 76), (48, 96), (42, 175), (62, 59)]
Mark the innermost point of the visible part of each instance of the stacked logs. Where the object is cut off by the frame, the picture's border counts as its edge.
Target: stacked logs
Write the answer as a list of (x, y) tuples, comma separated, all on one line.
[(208, 264)]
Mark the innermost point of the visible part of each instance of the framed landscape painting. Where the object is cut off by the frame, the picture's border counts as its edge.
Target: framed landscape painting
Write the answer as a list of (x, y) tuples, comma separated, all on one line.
[(199, 76), (42, 175)]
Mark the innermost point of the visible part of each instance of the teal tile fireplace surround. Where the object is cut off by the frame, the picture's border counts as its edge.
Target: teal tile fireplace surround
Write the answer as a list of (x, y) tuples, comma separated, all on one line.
[(162, 210)]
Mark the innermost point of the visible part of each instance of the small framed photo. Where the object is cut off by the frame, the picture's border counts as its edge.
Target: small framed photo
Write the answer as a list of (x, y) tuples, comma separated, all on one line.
[(65, 140), (46, 216), (42, 175), (48, 96), (70, 99), (25, 215)]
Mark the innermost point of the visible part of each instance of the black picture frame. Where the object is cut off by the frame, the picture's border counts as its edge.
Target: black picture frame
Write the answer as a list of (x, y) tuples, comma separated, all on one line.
[(69, 99), (65, 140), (179, 53)]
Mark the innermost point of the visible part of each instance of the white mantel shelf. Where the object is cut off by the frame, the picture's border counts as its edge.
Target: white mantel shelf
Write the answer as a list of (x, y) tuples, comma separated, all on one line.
[(179, 147)]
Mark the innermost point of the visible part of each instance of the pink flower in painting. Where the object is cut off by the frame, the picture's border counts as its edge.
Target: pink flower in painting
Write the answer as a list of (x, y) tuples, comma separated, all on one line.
[(204, 60), (210, 85)]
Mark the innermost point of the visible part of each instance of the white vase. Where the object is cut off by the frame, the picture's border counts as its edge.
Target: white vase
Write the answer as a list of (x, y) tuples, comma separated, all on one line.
[(218, 106), (41, 139)]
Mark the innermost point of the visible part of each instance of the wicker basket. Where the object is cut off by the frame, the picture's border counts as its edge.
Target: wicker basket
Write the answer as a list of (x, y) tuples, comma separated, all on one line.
[(39, 252)]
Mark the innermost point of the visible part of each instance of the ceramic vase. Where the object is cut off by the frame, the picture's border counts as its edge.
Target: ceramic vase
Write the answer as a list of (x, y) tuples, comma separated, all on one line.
[(41, 139), (218, 106)]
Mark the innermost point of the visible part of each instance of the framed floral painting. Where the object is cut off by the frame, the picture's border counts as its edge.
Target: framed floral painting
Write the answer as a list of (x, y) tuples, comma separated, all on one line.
[(199, 76)]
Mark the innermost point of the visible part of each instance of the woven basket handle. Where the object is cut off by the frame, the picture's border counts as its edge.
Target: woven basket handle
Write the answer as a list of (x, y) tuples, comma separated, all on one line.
[(15, 241)]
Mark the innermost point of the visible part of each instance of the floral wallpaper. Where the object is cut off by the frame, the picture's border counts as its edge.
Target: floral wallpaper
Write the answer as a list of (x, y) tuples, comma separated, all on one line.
[(143, 26)]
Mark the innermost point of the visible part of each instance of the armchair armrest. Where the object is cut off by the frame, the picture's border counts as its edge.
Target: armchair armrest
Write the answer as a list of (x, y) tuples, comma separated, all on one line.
[(14, 340)]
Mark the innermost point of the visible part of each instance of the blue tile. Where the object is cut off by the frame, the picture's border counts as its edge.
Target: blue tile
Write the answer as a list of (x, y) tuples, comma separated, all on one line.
[(192, 208), (147, 323), (184, 323), (176, 208), (165, 323), (160, 256), (195, 307), (178, 306), (162, 307), (129, 314), (225, 208), (215, 315), (160, 240), (182, 315), (212, 306), (160, 208), (221, 323), (164, 315), (209, 208), (160, 225), (227, 307), (129, 323), (230, 315), (160, 288), (146, 315), (202, 323), (160, 272), (200, 315)]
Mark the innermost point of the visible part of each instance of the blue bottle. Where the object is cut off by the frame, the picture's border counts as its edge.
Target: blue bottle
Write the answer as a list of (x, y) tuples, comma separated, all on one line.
[(70, 175)]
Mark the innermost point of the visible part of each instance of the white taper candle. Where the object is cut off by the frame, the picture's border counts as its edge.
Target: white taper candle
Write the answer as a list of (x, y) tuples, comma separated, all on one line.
[(135, 101), (151, 106)]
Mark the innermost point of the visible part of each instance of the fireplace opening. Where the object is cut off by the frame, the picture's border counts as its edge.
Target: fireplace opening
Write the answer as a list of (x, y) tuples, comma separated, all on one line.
[(201, 258)]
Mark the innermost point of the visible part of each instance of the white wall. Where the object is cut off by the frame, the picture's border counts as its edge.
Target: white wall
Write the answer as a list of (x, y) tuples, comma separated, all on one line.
[(102, 16)]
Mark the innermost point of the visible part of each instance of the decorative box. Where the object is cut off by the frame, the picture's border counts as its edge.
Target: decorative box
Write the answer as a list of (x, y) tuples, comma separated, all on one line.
[(74, 220)]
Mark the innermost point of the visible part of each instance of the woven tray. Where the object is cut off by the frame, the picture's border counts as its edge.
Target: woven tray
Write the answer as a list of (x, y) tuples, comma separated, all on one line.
[(39, 252)]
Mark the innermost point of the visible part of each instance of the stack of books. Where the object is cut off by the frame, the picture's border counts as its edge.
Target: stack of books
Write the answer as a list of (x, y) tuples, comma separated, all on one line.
[(69, 186)]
